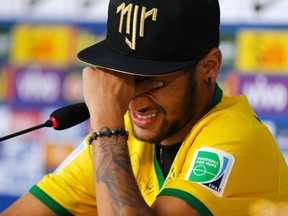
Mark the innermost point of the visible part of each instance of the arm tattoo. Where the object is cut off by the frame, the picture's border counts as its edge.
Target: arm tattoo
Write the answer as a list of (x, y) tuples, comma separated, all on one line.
[(115, 171)]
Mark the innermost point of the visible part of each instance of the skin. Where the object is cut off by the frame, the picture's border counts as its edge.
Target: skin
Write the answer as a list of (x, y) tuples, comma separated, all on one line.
[(167, 117), (155, 104)]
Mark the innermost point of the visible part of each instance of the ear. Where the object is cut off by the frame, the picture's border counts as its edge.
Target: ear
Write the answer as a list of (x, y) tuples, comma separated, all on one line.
[(211, 64)]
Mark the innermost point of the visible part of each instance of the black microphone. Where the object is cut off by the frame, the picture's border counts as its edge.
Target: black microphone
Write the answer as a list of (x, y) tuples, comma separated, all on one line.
[(60, 119)]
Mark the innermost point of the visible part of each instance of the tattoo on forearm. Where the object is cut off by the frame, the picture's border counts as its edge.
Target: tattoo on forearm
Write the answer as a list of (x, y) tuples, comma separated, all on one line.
[(114, 170)]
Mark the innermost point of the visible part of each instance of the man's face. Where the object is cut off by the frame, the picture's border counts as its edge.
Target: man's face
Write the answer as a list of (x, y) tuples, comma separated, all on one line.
[(163, 115)]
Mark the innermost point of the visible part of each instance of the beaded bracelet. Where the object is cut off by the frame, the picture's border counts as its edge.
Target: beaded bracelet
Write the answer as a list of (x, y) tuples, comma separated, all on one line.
[(108, 133)]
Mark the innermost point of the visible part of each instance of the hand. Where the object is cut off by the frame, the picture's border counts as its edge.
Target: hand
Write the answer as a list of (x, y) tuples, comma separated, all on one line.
[(107, 94)]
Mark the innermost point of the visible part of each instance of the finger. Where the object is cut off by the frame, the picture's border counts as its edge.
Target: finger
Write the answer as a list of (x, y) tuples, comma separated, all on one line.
[(127, 78), (146, 86)]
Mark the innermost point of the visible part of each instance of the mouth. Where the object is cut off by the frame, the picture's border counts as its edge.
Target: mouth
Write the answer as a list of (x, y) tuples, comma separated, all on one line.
[(143, 120), (145, 116)]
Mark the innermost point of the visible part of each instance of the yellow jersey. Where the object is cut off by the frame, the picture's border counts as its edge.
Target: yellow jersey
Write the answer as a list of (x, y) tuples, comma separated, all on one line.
[(227, 162)]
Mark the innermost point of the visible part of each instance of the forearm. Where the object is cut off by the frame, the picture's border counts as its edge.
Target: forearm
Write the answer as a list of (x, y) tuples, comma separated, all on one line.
[(107, 95), (117, 190)]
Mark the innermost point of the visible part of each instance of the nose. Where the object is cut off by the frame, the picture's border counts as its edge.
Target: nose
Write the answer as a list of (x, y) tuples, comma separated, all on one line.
[(140, 102)]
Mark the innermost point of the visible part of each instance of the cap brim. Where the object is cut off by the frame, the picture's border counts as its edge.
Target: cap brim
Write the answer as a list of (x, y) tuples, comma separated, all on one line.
[(102, 55)]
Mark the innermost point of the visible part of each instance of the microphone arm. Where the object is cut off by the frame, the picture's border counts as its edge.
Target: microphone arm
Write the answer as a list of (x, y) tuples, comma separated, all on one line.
[(60, 119), (48, 123)]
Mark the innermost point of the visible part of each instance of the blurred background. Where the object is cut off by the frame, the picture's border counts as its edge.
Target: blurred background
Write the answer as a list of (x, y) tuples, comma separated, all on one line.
[(39, 72)]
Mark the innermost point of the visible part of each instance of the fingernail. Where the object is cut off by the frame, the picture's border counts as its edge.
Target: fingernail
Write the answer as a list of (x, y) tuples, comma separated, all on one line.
[(158, 84)]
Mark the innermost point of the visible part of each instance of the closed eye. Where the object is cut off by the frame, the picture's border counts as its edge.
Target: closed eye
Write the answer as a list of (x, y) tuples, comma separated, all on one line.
[(141, 79)]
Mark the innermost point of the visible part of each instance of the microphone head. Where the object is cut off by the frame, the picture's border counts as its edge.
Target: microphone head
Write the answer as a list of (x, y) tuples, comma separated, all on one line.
[(69, 116)]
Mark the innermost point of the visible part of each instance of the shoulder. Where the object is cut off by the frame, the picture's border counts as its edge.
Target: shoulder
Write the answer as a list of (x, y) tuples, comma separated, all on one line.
[(232, 130), (233, 118)]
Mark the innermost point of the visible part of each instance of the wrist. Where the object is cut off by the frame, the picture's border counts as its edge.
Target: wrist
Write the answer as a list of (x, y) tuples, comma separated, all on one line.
[(106, 119), (108, 132)]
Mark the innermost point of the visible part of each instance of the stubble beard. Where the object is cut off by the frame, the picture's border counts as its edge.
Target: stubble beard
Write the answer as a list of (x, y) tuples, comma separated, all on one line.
[(168, 127)]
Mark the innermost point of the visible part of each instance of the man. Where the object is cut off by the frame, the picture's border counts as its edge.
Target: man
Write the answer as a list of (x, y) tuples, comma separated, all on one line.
[(182, 148)]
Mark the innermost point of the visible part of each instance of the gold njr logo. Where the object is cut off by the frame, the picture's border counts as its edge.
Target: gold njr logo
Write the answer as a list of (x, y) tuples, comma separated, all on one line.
[(128, 10)]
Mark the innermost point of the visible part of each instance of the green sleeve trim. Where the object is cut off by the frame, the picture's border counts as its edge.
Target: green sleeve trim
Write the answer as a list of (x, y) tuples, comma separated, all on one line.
[(191, 200), (48, 201)]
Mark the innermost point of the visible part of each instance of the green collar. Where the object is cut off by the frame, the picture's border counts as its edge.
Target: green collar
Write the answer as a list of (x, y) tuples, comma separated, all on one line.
[(218, 94), (216, 99)]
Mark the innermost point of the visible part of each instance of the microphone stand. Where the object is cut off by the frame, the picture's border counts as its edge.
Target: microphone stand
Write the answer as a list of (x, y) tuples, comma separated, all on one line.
[(48, 123)]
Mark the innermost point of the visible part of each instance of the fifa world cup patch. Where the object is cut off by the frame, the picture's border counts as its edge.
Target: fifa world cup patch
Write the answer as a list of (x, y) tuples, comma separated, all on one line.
[(211, 168)]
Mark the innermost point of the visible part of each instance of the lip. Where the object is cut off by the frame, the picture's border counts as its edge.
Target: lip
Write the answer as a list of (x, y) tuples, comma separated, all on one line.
[(143, 120)]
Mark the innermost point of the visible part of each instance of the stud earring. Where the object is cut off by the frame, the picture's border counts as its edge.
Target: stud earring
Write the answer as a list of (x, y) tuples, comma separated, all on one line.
[(210, 80)]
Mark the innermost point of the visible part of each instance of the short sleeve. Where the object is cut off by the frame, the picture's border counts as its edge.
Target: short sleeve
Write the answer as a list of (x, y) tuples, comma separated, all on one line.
[(70, 187)]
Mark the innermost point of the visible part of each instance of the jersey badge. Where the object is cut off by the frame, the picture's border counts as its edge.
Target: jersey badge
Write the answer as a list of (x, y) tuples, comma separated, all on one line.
[(211, 168)]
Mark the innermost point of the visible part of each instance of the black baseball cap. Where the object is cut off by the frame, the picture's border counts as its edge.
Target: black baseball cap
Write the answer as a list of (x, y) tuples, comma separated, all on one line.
[(156, 37)]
